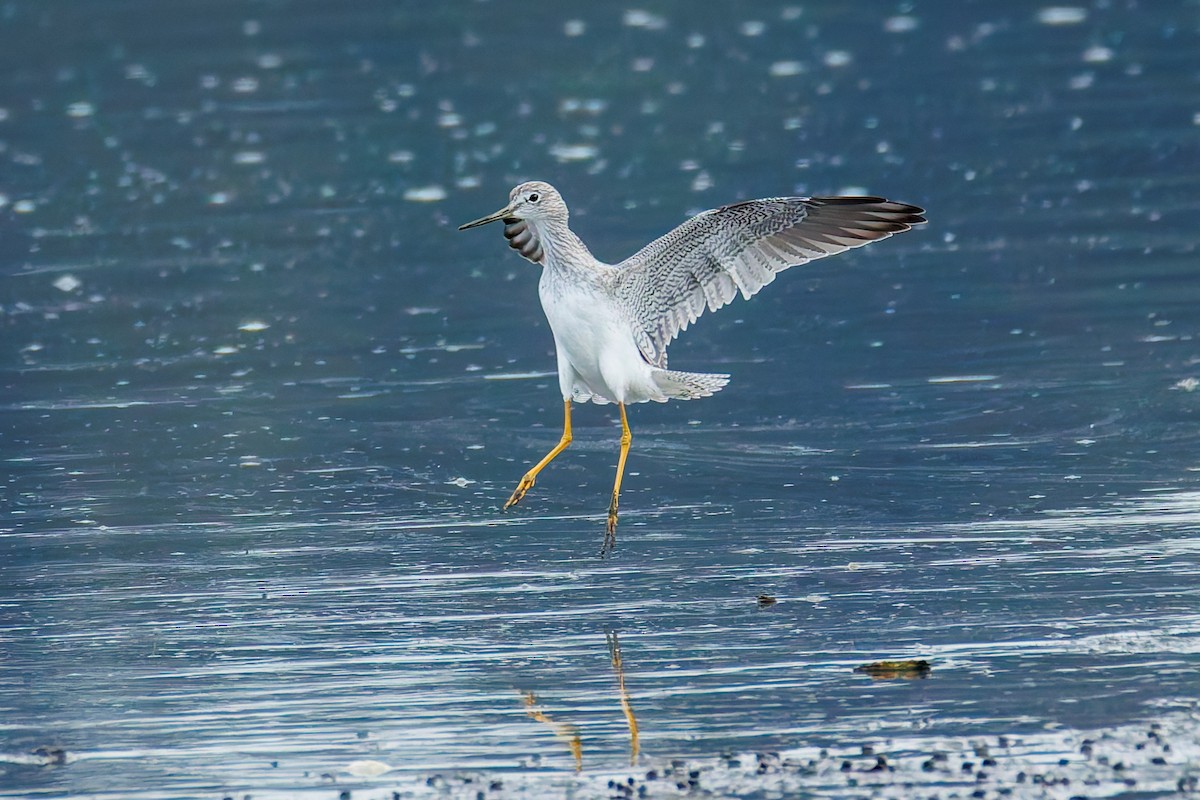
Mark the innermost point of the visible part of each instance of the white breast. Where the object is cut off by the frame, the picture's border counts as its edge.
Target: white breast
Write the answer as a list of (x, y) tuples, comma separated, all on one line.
[(595, 341)]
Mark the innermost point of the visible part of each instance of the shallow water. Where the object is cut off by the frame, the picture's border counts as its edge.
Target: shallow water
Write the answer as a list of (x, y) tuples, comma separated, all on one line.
[(261, 402)]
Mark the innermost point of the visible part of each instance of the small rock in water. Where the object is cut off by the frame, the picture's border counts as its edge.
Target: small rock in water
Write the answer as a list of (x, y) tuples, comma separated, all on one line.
[(50, 756)]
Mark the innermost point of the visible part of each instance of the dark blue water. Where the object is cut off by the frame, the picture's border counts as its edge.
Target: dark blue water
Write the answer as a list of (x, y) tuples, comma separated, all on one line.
[(260, 402)]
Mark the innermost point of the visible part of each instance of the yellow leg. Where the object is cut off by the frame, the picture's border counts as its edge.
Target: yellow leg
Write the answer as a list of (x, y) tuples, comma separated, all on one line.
[(530, 477), (610, 534), (614, 652)]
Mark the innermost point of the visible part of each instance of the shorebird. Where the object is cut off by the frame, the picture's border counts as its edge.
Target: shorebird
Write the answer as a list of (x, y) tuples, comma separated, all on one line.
[(612, 323)]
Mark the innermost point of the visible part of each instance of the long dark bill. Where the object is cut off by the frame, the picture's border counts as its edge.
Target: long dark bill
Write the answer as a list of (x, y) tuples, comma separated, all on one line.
[(501, 214)]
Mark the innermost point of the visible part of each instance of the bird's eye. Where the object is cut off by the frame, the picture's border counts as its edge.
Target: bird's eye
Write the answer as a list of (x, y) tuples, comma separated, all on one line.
[(533, 198)]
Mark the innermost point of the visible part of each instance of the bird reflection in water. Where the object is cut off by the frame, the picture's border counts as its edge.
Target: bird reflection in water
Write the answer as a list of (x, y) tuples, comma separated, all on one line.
[(563, 730), (614, 652), (570, 733)]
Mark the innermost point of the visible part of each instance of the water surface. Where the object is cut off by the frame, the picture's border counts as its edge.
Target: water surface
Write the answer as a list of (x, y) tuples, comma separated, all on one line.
[(261, 402)]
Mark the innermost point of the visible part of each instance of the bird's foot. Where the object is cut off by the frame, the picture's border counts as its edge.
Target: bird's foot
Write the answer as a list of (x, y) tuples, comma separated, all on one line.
[(610, 532), (524, 486)]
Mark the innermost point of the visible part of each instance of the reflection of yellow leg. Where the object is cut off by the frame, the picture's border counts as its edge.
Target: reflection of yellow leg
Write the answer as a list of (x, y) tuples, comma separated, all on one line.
[(528, 479), (610, 534), (614, 651), (563, 730)]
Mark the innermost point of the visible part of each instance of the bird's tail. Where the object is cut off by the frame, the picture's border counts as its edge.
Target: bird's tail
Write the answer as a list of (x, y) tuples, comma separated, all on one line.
[(688, 385)]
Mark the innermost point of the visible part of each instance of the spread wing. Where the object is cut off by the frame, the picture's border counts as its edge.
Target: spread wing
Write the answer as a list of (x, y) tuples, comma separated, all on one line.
[(707, 260)]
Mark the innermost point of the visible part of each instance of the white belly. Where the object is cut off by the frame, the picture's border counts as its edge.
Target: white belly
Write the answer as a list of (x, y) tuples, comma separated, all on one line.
[(598, 359)]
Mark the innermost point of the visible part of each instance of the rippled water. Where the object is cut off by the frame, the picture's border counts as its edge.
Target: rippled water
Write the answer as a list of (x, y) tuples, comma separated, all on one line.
[(261, 402)]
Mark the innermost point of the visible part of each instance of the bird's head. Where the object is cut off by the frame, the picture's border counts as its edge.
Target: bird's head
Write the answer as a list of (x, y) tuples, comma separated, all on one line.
[(533, 200), (530, 202)]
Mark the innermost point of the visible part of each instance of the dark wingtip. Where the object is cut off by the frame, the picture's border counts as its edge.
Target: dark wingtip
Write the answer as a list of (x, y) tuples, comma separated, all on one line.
[(890, 210)]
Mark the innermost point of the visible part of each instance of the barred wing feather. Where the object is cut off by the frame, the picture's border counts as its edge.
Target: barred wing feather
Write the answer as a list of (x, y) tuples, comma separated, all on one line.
[(707, 260)]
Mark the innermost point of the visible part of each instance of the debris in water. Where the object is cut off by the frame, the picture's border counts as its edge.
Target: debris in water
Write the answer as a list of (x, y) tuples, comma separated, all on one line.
[(896, 670)]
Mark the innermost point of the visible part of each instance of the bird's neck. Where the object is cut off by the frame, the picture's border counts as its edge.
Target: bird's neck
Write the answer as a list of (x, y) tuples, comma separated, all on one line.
[(562, 248)]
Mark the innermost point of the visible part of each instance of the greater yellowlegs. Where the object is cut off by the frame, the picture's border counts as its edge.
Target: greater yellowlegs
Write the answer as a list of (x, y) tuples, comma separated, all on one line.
[(612, 323)]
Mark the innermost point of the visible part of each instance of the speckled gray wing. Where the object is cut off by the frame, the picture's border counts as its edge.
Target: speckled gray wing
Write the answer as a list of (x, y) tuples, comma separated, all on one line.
[(707, 260)]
